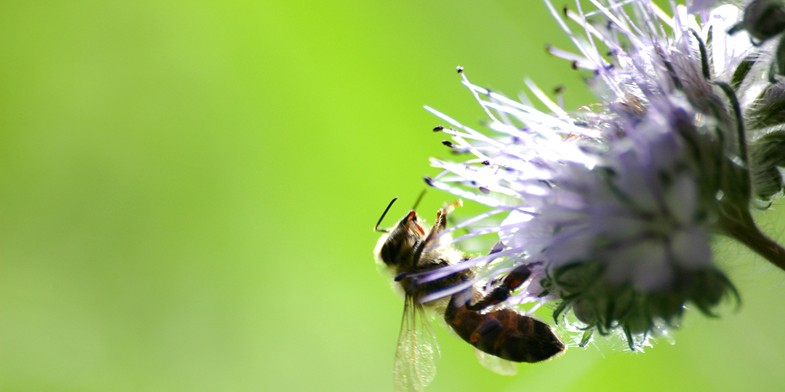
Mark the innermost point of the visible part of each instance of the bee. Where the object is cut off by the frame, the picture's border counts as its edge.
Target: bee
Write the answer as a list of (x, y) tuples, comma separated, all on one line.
[(409, 250)]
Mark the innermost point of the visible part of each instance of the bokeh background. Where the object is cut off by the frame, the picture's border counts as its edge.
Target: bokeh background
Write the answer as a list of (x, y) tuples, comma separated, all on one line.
[(187, 191)]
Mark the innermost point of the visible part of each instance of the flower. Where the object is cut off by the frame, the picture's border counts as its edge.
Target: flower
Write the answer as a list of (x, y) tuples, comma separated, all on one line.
[(696, 6), (613, 208)]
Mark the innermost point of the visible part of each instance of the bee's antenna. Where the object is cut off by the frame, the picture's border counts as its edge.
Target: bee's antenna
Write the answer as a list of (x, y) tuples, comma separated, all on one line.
[(376, 228), (417, 202)]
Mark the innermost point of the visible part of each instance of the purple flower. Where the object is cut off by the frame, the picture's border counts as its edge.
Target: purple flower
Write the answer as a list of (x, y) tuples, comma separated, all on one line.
[(613, 207), (696, 6)]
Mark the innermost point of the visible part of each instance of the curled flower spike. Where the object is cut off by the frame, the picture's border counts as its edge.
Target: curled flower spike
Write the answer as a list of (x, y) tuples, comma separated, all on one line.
[(613, 208)]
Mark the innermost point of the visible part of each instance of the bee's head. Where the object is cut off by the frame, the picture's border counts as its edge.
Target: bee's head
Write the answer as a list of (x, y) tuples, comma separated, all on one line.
[(397, 246)]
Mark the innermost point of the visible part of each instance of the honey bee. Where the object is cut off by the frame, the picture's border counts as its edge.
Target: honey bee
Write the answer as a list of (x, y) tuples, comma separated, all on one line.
[(409, 250)]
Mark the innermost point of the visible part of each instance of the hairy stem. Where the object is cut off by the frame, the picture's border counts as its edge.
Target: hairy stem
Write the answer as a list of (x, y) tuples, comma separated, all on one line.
[(742, 227)]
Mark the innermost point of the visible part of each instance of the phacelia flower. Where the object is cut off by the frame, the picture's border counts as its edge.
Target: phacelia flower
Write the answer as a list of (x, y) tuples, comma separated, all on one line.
[(613, 208)]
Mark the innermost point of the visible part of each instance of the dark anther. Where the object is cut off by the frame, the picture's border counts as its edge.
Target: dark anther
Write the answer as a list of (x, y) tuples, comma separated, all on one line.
[(448, 143), (486, 163), (438, 128), (580, 123), (485, 190), (428, 180), (459, 69)]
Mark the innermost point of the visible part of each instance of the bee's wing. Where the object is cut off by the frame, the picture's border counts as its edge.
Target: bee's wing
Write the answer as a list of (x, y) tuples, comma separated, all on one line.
[(417, 351), (496, 364)]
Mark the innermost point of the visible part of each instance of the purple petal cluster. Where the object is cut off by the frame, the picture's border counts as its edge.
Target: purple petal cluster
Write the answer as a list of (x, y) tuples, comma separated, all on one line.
[(614, 207)]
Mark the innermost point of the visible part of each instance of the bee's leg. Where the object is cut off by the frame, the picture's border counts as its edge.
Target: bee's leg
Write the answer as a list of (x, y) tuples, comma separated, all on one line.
[(500, 293), (439, 225)]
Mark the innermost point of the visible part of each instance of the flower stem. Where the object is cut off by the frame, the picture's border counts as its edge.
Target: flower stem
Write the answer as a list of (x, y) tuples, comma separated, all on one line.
[(743, 228)]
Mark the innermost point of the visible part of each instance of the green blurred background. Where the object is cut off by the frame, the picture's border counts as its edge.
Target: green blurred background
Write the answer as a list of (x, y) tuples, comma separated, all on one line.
[(187, 191)]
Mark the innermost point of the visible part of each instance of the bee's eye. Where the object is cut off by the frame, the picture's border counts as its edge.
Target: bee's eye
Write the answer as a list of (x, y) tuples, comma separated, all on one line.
[(390, 251)]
